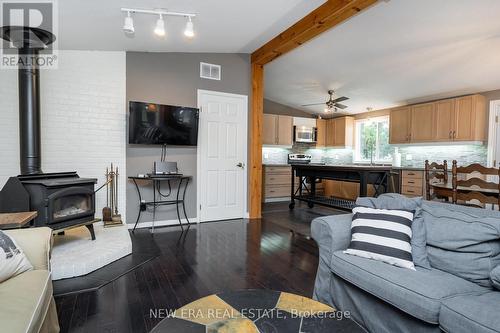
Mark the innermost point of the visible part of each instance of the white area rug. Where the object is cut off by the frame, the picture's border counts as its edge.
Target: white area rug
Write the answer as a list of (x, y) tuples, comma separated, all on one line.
[(75, 254)]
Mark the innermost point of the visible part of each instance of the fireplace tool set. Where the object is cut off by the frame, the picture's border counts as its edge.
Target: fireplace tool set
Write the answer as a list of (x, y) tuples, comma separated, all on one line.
[(110, 215)]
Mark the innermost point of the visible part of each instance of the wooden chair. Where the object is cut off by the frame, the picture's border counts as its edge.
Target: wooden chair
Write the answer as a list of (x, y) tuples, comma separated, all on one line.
[(435, 171), (485, 192)]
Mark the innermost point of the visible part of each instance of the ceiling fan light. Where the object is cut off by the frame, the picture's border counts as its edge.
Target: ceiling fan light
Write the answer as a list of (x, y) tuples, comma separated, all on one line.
[(128, 25), (160, 27), (189, 31)]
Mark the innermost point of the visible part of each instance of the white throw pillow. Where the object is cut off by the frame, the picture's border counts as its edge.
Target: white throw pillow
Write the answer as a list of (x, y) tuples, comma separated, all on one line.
[(383, 235), (12, 258)]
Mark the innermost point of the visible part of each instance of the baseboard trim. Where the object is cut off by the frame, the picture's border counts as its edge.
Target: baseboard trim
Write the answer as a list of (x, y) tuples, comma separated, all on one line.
[(163, 223)]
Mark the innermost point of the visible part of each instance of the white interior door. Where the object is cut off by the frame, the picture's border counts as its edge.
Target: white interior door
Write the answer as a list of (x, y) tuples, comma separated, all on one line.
[(222, 156)]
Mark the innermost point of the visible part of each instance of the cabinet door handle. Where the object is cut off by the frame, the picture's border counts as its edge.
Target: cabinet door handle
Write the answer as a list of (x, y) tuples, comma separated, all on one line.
[(411, 182), (449, 135)]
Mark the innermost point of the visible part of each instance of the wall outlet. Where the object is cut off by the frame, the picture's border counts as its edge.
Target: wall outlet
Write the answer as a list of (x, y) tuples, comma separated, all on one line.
[(336, 157), (266, 156), (409, 157)]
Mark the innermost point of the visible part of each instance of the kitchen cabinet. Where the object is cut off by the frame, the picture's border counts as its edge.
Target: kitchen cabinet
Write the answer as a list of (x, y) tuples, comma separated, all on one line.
[(340, 132), (345, 190), (470, 119), (276, 182), (277, 130), (455, 119), (444, 115), (412, 183), (321, 132), (421, 123), (399, 125)]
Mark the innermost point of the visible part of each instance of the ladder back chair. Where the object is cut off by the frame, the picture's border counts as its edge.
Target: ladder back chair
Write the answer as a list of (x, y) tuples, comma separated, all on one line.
[(435, 172), (473, 187)]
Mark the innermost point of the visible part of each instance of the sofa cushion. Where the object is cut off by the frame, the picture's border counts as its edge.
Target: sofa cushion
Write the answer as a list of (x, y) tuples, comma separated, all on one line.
[(398, 201), (462, 242), (24, 301), (418, 293), (471, 313), (495, 277)]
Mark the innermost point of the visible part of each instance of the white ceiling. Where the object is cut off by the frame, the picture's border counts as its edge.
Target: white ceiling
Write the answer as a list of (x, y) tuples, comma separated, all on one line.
[(395, 53), (221, 25)]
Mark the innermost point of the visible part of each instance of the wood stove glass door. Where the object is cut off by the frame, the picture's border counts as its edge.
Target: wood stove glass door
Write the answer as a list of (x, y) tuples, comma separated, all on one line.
[(70, 203)]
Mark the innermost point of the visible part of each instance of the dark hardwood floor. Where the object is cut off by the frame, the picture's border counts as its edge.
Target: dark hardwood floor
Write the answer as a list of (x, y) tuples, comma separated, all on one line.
[(209, 258)]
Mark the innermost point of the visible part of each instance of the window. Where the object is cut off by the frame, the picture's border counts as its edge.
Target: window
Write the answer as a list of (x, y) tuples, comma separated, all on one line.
[(372, 140)]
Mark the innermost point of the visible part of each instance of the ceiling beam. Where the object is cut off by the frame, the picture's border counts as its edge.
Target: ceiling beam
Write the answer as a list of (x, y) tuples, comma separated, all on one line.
[(325, 17)]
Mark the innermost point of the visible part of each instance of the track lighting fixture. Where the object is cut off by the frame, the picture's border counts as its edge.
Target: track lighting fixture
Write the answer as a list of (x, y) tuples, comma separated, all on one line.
[(128, 25), (159, 30), (160, 27), (189, 32)]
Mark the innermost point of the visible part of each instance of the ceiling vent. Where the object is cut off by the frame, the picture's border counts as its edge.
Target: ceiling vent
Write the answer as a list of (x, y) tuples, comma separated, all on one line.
[(210, 71)]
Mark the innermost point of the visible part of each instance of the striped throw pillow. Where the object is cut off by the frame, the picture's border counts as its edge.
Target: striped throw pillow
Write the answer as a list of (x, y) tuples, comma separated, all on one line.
[(382, 234)]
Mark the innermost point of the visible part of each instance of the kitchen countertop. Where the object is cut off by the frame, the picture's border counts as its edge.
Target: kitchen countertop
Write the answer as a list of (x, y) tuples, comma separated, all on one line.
[(348, 165)]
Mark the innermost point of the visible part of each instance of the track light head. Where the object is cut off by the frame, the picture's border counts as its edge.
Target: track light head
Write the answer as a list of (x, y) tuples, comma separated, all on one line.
[(189, 31), (160, 27), (128, 25)]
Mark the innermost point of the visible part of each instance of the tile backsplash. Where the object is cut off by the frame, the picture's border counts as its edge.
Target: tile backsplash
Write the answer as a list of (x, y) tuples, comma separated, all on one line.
[(411, 156), (464, 154)]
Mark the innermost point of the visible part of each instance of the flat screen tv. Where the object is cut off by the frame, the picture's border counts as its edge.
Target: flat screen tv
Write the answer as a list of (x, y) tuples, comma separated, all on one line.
[(156, 124)]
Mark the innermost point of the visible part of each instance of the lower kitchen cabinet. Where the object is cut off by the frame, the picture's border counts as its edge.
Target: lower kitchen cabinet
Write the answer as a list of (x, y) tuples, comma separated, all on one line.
[(276, 182), (412, 183), (344, 190)]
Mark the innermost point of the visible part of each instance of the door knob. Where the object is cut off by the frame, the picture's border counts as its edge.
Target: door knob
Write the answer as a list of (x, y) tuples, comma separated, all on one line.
[(240, 165)]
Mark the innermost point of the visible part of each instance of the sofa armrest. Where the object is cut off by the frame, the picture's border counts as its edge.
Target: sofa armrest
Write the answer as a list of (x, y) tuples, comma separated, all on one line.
[(35, 243), (332, 233)]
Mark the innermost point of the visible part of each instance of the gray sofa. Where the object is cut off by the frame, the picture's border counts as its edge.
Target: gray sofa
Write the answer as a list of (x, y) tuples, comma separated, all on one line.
[(451, 294)]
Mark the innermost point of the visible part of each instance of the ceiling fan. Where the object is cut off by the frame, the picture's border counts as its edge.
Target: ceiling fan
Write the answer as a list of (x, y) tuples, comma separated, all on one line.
[(332, 104)]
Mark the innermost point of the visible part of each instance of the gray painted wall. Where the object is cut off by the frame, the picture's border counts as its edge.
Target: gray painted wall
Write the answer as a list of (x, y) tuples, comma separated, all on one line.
[(173, 78), (277, 108)]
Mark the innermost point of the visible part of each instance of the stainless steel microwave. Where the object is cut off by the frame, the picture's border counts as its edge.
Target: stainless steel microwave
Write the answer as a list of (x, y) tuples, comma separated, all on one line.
[(305, 134)]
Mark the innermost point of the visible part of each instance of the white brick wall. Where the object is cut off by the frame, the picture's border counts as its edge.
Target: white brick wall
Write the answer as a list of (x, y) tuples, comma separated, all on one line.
[(83, 105)]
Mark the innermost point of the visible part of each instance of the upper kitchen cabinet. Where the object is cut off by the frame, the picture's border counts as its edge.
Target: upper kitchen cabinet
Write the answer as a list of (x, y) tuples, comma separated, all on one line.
[(340, 132), (470, 119), (449, 120), (444, 114), (321, 132), (421, 123), (399, 125), (277, 130)]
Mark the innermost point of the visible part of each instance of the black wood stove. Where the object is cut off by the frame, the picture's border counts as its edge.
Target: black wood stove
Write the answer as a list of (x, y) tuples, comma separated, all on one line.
[(61, 199)]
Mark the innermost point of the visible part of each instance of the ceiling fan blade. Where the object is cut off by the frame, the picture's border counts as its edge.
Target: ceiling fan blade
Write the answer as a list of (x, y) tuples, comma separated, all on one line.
[(313, 104), (340, 99), (340, 106)]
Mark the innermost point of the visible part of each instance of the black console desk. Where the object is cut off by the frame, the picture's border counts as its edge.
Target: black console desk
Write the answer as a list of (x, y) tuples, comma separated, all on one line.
[(182, 182)]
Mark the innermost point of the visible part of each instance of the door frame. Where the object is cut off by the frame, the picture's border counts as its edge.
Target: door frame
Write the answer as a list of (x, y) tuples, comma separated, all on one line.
[(492, 131), (244, 98)]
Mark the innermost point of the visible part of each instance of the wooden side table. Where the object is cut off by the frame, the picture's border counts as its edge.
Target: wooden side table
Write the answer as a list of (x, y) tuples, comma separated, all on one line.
[(16, 220)]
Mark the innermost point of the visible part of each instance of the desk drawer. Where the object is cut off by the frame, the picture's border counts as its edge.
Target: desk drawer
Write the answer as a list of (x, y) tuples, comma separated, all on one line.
[(277, 179), (411, 190), (412, 174), (277, 191), (413, 182)]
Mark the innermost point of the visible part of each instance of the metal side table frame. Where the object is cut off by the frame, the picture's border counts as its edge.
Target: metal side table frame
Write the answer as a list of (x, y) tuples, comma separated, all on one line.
[(183, 180)]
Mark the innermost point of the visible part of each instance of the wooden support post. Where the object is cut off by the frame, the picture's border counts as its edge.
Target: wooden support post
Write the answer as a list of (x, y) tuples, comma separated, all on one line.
[(255, 188)]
